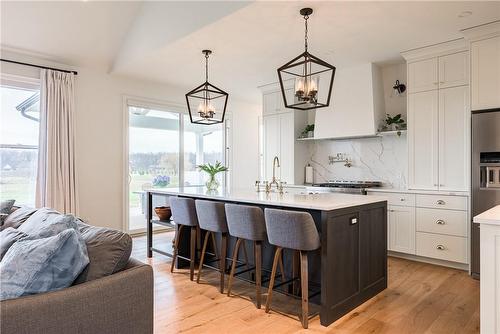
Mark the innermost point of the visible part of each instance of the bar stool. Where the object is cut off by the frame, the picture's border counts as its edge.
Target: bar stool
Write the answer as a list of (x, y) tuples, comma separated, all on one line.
[(184, 214), (296, 231), (212, 218), (247, 223)]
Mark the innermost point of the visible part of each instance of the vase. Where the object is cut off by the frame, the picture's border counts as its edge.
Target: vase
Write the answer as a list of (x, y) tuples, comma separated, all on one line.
[(212, 183)]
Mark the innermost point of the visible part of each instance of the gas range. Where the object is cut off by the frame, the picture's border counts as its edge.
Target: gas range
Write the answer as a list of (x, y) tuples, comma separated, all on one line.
[(350, 187)]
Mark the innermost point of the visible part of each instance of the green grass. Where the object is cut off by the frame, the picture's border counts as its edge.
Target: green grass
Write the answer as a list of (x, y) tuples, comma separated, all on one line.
[(16, 187)]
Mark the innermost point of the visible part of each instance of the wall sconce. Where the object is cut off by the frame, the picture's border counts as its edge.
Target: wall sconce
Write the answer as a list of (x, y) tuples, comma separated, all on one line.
[(399, 88)]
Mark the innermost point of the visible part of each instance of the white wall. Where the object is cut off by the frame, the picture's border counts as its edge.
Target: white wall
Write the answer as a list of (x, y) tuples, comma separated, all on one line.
[(100, 131), (394, 104)]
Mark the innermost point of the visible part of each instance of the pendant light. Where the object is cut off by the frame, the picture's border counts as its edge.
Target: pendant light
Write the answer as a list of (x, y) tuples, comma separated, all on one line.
[(206, 103), (310, 77)]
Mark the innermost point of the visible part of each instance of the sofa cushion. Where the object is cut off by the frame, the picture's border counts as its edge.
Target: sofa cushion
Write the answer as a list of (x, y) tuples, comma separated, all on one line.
[(6, 206), (46, 223), (42, 265), (109, 251), (19, 216), (7, 239)]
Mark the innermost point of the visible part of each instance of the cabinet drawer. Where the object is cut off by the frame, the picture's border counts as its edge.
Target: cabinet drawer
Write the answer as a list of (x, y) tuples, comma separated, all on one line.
[(396, 198), (442, 202), (442, 221), (443, 247)]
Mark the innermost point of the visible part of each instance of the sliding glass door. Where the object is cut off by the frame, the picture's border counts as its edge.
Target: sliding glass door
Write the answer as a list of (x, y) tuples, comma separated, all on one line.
[(164, 150)]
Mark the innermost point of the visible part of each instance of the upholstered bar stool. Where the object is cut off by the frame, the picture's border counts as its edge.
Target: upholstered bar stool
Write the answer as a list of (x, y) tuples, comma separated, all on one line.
[(184, 215), (247, 223), (212, 219), (296, 231)]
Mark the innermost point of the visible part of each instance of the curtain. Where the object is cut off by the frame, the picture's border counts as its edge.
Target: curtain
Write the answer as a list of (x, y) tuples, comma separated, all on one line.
[(56, 176)]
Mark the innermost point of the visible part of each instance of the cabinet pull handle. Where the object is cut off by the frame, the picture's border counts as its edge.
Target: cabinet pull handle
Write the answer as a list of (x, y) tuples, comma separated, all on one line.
[(440, 247), (402, 199), (441, 202), (440, 222)]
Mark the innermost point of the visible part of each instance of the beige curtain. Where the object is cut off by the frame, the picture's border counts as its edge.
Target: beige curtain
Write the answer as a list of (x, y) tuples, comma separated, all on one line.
[(56, 179)]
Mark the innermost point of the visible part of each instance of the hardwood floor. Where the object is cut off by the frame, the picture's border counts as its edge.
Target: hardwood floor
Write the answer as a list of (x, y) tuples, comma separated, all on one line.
[(421, 298)]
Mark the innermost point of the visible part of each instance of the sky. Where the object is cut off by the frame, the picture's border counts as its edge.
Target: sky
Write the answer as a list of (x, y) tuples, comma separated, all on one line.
[(14, 128)]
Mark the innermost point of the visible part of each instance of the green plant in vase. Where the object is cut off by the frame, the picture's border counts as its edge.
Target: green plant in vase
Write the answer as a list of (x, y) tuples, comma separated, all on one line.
[(212, 170), (395, 123), (308, 131)]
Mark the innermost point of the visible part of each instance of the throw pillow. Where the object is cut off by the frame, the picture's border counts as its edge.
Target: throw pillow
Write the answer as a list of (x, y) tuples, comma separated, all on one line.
[(7, 239), (46, 223), (6, 206), (16, 218), (109, 251), (42, 265)]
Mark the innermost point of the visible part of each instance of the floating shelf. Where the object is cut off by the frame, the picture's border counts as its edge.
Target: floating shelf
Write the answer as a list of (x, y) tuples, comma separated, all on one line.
[(379, 134)]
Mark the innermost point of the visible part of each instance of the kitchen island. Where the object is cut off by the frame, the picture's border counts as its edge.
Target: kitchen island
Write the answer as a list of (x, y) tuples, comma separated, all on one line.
[(351, 265)]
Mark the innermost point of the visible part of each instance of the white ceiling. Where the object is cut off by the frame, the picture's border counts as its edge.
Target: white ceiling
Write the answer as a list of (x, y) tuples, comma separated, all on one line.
[(162, 41)]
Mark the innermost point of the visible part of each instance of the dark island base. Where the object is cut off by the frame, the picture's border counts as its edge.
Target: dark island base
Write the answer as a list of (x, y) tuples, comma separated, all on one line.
[(348, 269)]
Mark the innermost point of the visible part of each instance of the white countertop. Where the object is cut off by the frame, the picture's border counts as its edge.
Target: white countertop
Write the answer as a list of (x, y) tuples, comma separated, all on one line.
[(423, 192), (324, 201), (492, 216)]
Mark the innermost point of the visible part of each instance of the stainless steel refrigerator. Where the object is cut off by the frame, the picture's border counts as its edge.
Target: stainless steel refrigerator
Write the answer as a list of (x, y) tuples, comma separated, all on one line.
[(485, 183)]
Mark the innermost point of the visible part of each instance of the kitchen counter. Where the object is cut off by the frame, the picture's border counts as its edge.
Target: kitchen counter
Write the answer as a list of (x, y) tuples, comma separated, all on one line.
[(490, 217), (348, 269), (323, 201), (423, 192)]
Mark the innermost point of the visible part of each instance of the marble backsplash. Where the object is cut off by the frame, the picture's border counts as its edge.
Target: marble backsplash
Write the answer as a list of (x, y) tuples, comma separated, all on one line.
[(373, 159)]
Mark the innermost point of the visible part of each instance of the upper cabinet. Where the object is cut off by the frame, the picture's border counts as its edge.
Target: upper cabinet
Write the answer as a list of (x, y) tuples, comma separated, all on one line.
[(485, 62), (454, 70), (423, 75), (438, 72)]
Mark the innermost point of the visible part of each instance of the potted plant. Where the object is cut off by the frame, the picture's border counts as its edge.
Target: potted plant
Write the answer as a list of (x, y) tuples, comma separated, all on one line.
[(395, 123), (212, 170), (308, 131)]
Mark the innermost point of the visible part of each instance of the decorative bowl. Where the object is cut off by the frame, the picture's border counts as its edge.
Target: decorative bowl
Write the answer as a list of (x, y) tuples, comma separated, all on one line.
[(163, 212)]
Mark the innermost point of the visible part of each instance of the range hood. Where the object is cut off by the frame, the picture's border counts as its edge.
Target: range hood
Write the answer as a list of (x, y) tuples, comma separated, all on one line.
[(357, 105)]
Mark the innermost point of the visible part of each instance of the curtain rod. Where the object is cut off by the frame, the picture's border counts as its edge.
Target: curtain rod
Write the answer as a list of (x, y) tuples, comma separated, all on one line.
[(39, 66)]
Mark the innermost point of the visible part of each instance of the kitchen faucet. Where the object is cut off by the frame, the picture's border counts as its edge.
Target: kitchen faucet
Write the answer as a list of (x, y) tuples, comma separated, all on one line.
[(276, 163)]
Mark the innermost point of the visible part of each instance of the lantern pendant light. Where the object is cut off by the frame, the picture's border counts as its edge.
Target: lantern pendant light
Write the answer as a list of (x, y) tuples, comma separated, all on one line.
[(310, 77), (207, 103)]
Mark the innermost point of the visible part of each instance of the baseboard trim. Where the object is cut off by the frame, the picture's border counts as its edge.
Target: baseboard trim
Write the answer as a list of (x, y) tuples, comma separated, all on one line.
[(450, 264)]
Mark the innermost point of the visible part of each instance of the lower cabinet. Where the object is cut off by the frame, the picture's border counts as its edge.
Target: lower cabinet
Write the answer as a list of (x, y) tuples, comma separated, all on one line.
[(401, 228), (442, 247)]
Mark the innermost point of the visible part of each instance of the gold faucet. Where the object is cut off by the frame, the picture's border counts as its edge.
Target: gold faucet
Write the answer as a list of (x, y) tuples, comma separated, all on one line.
[(276, 163)]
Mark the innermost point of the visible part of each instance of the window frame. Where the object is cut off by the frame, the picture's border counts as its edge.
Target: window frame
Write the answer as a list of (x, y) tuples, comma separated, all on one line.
[(181, 109), (22, 83)]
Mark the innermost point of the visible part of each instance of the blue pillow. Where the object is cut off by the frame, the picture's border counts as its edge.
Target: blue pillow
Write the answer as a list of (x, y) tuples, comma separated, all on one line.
[(42, 265), (47, 223), (7, 238)]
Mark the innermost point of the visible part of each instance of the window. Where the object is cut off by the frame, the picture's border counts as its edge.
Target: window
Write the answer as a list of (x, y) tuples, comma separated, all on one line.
[(164, 150), (19, 140)]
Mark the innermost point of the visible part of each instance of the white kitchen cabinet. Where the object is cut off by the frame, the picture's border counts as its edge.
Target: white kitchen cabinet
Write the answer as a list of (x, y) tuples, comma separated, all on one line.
[(454, 70), (270, 101), (423, 75), (401, 229), (423, 140), (485, 72), (453, 131), (271, 134)]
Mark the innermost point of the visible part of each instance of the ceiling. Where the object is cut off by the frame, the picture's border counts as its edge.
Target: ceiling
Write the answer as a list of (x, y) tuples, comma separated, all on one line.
[(162, 41)]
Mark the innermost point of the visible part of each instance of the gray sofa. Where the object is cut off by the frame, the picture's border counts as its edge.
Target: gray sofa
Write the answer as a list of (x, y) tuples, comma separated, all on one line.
[(118, 303)]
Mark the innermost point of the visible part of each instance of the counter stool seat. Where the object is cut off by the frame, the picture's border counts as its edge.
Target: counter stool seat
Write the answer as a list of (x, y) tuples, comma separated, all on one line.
[(296, 231), (247, 223), (184, 215), (212, 219)]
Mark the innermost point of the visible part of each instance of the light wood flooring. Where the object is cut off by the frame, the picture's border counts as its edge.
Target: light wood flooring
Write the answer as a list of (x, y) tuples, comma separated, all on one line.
[(420, 298)]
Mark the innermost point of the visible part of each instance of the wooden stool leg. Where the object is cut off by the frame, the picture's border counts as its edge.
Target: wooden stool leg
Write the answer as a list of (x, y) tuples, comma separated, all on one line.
[(202, 257), (258, 275), (295, 270), (233, 266), (305, 289), (282, 268), (222, 262), (214, 244), (176, 247), (245, 254), (192, 252), (273, 275)]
